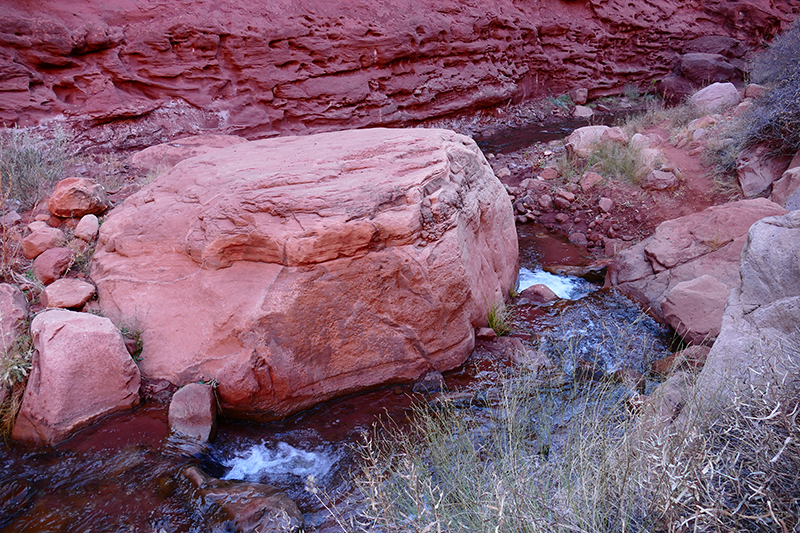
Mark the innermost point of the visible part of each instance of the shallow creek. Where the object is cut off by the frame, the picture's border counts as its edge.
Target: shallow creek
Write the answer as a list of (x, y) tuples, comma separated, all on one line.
[(121, 474)]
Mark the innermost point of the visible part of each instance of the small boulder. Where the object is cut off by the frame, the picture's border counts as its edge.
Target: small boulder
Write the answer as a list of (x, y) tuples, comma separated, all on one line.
[(579, 95), (578, 238), (67, 293), (430, 383), (485, 334), (706, 68), (715, 98), (581, 111), (82, 371), (659, 180), (754, 90), (784, 188), (538, 294), (692, 358), (757, 169), (193, 412), (549, 173), (615, 134), (694, 308), (87, 228), (75, 197), (42, 238), (581, 141), (51, 264)]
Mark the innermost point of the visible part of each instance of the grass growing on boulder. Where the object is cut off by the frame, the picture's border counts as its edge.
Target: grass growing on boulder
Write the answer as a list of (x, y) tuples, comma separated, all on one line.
[(31, 165)]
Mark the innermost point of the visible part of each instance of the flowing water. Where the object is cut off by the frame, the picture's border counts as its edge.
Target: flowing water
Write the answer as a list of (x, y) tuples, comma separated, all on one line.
[(119, 476)]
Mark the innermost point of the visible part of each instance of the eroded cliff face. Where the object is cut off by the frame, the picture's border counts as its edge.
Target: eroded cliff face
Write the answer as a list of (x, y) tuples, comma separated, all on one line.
[(157, 69)]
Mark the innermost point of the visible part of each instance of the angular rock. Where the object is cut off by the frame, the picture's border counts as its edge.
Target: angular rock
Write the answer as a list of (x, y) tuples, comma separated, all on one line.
[(581, 111), (313, 266), (42, 238), (659, 180), (579, 95), (755, 350), (705, 243), (87, 228), (786, 186), (589, 180), (81, 372), (581, 141), (703, 69), (193, 412), (757, 169), (715, 98), (67, 293), (245, 506), (51, 264), (75, 197), (694, 308), (13, 312), (162, 157), (605, 204)]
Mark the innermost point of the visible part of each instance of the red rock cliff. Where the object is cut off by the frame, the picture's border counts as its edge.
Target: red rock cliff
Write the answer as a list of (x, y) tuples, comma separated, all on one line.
[(265, 68)]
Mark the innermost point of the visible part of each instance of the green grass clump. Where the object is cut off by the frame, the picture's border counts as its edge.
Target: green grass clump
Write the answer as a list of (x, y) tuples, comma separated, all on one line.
[(617, 161), (499, 318), (31, 165)]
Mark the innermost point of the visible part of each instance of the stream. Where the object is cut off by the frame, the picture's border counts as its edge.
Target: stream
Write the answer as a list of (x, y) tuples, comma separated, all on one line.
[(119, 476)]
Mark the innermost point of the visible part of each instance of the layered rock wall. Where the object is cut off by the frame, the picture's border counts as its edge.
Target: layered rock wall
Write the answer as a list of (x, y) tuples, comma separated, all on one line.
[(159, 69)]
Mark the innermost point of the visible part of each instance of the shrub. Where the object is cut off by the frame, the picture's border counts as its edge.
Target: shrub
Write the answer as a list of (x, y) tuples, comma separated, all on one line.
[(774, 119), (30, 165)]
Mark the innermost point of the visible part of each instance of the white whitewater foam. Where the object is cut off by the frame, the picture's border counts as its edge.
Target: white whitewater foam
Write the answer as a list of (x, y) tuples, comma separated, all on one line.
[(566, 287), (260, 460)]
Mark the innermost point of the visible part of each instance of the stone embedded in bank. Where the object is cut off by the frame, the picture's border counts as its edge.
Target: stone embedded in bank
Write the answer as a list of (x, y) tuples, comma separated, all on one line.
[(82, 372)]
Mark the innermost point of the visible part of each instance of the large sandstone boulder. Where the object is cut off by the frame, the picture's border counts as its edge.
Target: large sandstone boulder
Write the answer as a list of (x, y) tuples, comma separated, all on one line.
[(758, 345), (81, 371), (707, 243), (296, 269)]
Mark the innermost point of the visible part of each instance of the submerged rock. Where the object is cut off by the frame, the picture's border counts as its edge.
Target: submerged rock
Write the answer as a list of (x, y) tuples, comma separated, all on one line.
[(296, 269)]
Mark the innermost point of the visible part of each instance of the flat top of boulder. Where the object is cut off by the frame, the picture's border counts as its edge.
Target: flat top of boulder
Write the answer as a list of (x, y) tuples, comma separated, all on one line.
[(167, 155)]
